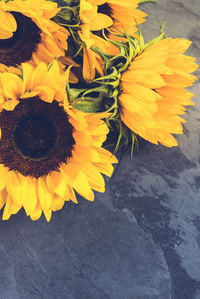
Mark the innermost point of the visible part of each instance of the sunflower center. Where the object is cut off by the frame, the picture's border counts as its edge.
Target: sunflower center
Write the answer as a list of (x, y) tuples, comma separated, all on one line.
[(36, 137), (20, 47)]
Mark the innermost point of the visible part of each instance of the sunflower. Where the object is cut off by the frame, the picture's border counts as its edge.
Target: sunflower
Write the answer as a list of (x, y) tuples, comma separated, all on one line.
[(144, 89), (113, 14), (27, 33), (48, 150), (96, 15), (152, 94)]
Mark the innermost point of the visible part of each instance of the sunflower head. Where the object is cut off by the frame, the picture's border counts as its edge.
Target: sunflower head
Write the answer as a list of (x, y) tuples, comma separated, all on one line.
[(48, 149), (113, 14), (144, 88), (27, 33)]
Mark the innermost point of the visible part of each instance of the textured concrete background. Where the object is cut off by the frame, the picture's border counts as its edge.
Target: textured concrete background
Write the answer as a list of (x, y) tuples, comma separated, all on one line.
[(139, 240)]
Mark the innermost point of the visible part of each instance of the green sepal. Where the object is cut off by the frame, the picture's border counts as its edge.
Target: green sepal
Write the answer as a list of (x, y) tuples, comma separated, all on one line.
[(119, 62), (125, 138), (102, 90), (104, 56), (155, 40), (76, 93), (88, 104), (68, 16), (113, 74)]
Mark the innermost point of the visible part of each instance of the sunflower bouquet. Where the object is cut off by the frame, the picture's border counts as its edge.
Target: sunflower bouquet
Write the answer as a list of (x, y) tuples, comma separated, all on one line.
[(71, 71)]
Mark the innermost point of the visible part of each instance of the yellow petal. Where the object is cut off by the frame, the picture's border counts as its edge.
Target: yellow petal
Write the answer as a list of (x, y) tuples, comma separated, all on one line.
[(57, 203), (105, 168), (14, 187), (94, 177), (106, 156), (29, 193), (3, 198), (36, 213), (10, 105), (12, 85), (38, 75), (45, 195), (82, 186), (14, 208), (6, 212), (88, 65), (47, 214), (8, 25), (45, 93), (56, 183), (27, 70), (101, 21), (72, 195), (3, 172)]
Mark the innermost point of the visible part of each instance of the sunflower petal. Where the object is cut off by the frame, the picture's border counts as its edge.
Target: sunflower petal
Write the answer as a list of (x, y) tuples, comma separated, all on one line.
[(45, 195)]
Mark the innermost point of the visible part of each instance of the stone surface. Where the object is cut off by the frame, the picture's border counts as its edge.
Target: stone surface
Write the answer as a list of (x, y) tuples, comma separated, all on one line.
[(139, 240), (86, 251)]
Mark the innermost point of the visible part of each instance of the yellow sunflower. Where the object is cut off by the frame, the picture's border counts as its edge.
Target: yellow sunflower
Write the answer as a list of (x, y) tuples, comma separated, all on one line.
[(96, 15), (27, 33), (152, 94), (48, 150), (113, 14)]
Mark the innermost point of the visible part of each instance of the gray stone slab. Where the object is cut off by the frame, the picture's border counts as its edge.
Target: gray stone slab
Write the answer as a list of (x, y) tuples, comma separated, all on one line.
[(86, 251)]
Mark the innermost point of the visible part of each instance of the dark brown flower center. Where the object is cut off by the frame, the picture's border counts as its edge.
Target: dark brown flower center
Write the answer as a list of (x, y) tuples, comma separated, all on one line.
[(36, 137), (20, 47)]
